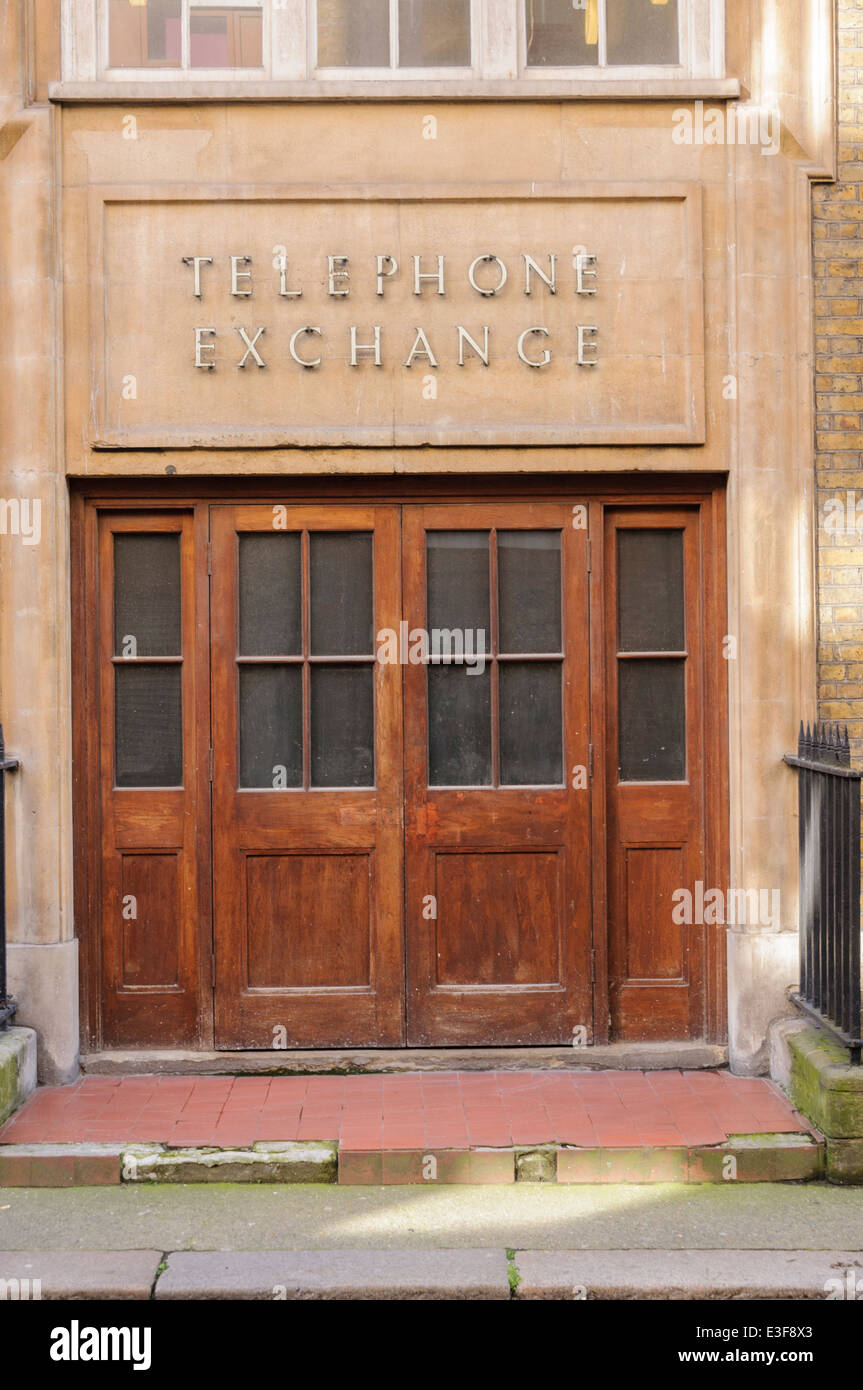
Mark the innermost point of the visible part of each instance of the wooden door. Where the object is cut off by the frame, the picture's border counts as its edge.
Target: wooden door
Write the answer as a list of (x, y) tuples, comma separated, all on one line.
[(152, 699), (655, 760), (307, 788), (497, 774)]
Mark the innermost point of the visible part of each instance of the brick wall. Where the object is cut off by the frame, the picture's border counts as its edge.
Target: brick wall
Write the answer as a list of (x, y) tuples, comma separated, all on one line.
[(838, 270)]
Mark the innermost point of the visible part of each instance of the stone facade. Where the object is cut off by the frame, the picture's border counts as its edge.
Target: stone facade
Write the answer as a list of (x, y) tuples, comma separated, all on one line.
[(69, 176)]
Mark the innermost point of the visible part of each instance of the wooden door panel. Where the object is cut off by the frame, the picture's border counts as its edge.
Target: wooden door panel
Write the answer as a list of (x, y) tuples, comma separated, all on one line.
[(655, 826), (308, 878), (498, 876), (153, 882)]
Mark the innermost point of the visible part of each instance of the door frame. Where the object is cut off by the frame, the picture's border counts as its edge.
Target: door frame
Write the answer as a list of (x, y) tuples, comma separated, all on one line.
[(90, 496)]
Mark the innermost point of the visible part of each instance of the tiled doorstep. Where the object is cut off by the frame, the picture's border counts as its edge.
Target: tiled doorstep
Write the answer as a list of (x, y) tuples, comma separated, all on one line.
[(742, 1158)]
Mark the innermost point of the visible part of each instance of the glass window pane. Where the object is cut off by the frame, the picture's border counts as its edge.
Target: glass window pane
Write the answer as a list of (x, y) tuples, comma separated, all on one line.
[(434, 33), (271, 726), (353, 34), (458, 583), (642, 31), (650, 609), (340, 567), (342, 720), (270, 594), (148, 726), (559, 35), (459, 720), (528, 570), (531, 723), (652, 716), (145, 35), (147, 595), (224, 37)]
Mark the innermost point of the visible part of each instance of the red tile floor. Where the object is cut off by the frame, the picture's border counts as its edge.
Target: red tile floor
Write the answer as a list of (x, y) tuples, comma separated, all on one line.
[(443, 1110)]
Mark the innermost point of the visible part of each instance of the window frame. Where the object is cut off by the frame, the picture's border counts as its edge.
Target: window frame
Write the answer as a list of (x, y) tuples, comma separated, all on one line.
[(498, 38), (184, 70), (393, 72), (602, 69)]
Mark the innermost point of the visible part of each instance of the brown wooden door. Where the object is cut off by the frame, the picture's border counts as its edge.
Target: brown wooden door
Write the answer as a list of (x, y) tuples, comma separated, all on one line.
[(152, 701), (307, 790), (655, 760), (498, 915)]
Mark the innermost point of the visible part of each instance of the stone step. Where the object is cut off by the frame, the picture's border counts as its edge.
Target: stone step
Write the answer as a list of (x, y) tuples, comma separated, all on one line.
[(793, 1157), (476, 1274)]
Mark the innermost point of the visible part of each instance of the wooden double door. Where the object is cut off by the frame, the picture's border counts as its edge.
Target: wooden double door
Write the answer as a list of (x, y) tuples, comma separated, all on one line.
[(351, 767)]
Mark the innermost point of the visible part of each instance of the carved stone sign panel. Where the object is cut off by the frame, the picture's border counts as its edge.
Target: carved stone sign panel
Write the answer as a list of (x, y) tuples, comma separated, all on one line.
[(544, 314)]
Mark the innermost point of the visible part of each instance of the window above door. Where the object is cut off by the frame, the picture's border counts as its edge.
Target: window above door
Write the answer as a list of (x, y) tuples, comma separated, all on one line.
[(339, 47)]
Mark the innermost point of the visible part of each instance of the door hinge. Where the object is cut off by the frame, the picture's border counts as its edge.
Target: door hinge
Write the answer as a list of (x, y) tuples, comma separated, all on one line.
[(588, 554), (590, 761), (593, 965), (213, 969), (209, 557), (211, 764)]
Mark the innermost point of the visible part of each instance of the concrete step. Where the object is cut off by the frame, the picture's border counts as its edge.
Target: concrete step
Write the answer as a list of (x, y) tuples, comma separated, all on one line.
[(659, 1056), (794, 1157), (476, 1274)]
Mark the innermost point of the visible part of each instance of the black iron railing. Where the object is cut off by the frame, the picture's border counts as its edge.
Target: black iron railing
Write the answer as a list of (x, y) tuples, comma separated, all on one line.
[(828, 791), (7, 1005)]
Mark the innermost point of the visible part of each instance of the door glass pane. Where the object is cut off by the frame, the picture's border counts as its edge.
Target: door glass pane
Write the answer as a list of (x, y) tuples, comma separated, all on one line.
[(559, 35), (148, 726), (652, 717), (458, 583), (342, 593), (147, 595), (271, 726), (531, 723), (269, 589), (434, 33), (528, 568), (342, 726), (459, 721), (353, 33), (146, 35), (650, 591), (642, 31)]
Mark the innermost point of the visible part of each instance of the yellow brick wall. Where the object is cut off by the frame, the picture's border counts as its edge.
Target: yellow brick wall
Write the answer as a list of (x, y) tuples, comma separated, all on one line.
[(838, 269)]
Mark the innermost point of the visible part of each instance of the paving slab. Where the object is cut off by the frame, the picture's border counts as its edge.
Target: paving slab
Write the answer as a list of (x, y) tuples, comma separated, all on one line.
[(77, 1274), (336, 1274), (686, 1274)]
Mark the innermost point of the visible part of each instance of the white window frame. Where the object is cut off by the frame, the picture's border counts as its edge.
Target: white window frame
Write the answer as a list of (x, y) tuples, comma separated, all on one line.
[(498, 39), (184, 71)]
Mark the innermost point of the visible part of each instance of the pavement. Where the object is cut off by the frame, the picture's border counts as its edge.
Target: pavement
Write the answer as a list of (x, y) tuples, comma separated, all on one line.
[(526, 1241)]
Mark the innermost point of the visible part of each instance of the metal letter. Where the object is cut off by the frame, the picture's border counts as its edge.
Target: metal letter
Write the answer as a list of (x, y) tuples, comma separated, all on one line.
[(437, 275), (480, 260), (292, 347), (546, 355), (465, 337), (337, 266), (283, 281), (583, 267), (421, 348), (374, 347), (201, 347), (531, 265), (385, 274), (586, 346), (250, 347), (237, 275), (197, 262)]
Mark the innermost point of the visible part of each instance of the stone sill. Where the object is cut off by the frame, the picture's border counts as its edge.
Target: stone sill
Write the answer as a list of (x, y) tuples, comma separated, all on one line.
[(542, 89)]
